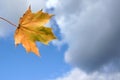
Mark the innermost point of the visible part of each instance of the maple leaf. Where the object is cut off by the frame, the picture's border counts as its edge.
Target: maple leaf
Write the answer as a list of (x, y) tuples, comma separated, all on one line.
[(31, 29)]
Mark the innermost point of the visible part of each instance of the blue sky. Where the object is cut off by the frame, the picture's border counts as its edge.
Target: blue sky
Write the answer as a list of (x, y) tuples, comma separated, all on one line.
[(87, 47), (16, 64)]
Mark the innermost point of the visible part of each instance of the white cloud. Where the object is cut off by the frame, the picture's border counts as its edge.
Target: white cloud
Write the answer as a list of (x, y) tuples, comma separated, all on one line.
[(11, 10), (52, 3), (37, 4), (77, 74), (91, 29)]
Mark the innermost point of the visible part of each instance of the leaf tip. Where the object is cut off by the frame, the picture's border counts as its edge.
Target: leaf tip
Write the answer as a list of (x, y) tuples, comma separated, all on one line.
[(29, 7), (41, 10)]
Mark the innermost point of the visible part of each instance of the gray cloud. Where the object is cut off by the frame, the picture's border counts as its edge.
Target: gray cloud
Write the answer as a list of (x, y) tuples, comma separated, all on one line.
[(92, 30)]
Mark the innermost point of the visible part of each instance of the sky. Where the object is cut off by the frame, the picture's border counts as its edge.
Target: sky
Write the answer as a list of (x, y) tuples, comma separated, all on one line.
[(87, 47)]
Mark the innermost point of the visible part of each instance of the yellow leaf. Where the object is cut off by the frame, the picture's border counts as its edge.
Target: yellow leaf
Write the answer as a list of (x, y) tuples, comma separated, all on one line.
[(31, 29)]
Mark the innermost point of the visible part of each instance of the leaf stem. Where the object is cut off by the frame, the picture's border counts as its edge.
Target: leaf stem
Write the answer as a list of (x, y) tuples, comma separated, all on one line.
[(8, 21)]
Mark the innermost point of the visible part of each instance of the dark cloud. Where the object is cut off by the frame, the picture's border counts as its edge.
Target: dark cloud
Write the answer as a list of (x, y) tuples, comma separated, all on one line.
[(92, 30)]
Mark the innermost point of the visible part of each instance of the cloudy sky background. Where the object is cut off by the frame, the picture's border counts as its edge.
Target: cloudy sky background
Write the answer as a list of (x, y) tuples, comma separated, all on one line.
[(89, 42)]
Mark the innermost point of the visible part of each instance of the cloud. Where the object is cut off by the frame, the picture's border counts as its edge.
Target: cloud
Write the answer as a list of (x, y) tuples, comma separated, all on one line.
[(92, 30), (11, 10), (77, 74), (37, 4)]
